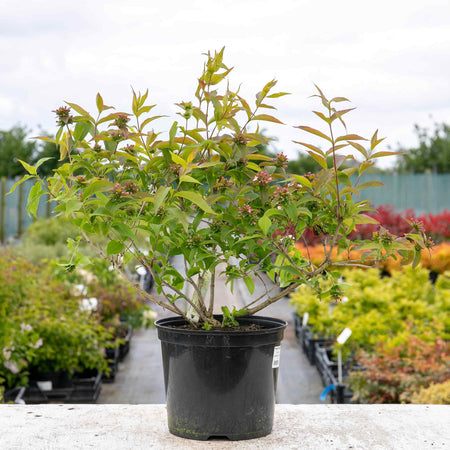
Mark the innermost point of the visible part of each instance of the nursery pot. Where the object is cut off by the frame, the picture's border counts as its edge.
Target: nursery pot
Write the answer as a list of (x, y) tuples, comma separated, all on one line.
[(220, 383)]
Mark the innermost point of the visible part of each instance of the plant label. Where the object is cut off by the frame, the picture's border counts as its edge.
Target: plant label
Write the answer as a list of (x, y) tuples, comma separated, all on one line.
[(305, 319), (342, 338), (276, 357), (45, 385)]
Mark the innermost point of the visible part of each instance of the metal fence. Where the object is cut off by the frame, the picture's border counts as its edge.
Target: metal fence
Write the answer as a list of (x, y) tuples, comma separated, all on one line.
[(424, 193), (13, 216)]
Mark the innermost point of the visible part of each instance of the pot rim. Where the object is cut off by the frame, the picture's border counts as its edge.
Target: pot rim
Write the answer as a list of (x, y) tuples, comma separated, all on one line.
[(272, 324)]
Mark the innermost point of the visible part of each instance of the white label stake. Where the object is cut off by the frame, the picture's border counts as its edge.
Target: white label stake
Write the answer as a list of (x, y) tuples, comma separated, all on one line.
[(305, 319), (342, 338), (276, 357)]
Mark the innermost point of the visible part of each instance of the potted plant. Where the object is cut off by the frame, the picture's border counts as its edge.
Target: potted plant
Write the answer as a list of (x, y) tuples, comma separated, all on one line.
[(204, 191)]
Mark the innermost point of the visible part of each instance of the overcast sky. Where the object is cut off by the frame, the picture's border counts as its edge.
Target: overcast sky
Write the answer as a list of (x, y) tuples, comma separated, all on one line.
[(390, 58)]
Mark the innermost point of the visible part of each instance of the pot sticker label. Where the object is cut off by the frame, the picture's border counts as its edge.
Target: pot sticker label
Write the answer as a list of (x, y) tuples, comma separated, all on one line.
[(276, 357)]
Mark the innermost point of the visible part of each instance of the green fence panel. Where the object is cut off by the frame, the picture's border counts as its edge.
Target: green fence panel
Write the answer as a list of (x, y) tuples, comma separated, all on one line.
[(15, 218), (424, 193)]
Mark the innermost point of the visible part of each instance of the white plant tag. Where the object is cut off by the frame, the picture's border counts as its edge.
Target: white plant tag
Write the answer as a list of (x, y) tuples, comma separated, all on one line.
[(44, 385), (276, 357), (305, 319), (342, 338)]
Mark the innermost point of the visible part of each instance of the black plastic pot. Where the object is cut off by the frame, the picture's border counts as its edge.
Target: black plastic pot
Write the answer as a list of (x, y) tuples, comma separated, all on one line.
[(220, 383)]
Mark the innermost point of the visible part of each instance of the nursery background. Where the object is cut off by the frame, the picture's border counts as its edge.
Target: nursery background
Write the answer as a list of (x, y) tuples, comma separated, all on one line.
[(388, 58)]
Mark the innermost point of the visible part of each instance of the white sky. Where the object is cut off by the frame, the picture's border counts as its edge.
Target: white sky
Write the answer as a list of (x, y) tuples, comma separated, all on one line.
[(390, 58)]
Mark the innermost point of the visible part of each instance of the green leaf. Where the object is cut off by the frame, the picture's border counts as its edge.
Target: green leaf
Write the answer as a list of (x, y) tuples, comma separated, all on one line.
[(34, 197), (314, 131), (339, 99), (114, 247), (96, 186), (79, 109), (177, 160), (160, 196), (417, 258), (381, 154), (322, 161), (267, 118), (360, 148), (350, 137), (197, 199), (25, 178), (292, 212), (249, 282), (42, 161), (124, 230), (311, 147), (189, 179), (193, 271), (303, 181), (264, 223), (30, 169), (369, 184), (278, 94), (81, 130), (253, 166), (99, 102), (365, 219)]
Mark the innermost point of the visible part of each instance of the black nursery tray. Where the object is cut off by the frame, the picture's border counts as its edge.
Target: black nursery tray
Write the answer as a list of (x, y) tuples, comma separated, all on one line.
[(124, 346), (84, 388)]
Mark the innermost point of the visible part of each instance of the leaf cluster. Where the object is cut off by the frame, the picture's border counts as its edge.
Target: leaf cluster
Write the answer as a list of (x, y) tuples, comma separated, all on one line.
[(206, 193)]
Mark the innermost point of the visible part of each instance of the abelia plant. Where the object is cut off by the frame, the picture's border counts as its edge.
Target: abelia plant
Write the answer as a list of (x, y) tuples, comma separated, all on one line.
[(206, 193)]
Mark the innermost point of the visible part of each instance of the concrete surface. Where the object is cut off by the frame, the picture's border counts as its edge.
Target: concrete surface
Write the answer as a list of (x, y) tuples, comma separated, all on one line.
[(140, 377), (318, 427)]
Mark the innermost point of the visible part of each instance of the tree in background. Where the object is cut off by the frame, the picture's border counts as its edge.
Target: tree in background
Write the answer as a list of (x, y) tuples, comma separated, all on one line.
[(432, 154), (14, 145)]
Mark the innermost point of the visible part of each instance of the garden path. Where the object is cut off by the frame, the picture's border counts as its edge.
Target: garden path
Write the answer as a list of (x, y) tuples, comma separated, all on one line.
[(140, 377)]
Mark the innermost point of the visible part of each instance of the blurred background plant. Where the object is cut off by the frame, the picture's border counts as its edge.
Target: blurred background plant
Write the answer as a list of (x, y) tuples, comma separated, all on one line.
[(400, 330), (42, 325)]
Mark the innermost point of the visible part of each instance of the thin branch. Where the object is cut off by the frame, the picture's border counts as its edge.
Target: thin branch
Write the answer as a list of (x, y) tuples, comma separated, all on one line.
[(212, 292)]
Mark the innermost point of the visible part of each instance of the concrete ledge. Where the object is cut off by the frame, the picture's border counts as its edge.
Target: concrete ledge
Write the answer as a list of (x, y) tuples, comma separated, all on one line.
[(296, 427)]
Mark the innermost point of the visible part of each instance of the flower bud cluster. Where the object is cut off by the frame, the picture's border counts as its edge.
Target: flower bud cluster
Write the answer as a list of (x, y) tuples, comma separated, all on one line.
[(416, 224), (121, 121), (188, 110), (223, 183), (262, 178), (130, 148), (282, 194), (240, 139), (280, 160), (246, 211), (124, 190), (193, 240), (80, 180), (63, 116), (384, 236)]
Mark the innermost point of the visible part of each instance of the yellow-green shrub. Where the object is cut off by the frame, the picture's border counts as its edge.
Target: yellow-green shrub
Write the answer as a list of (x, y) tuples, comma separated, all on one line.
[(435, 394), (376, 309)]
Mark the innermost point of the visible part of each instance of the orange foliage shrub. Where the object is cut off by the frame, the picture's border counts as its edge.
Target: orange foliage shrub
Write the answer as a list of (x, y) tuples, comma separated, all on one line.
[(438, 260)]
